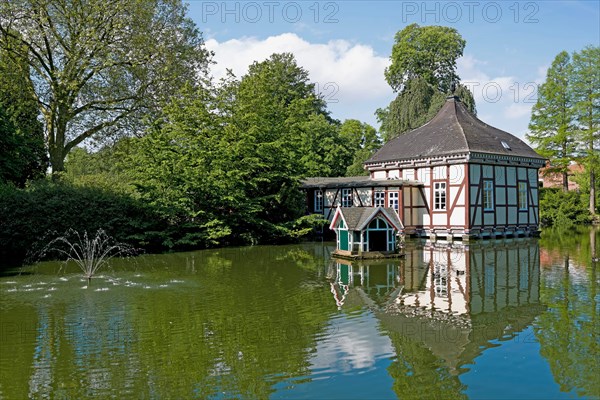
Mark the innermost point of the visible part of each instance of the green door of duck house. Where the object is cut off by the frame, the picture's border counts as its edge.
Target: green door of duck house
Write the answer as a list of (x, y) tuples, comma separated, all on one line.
[(343, 237)]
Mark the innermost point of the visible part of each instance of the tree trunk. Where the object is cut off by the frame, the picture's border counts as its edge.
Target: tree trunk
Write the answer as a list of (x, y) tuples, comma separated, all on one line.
[(565, 176), (56, 149), (592, 191), (56, 160)]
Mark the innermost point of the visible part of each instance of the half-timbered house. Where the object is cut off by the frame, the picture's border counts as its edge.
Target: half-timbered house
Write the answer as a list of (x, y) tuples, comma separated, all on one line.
[(455, 177)]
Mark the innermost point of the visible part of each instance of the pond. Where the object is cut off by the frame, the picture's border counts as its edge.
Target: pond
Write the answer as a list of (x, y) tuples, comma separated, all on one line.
[(516, 318)]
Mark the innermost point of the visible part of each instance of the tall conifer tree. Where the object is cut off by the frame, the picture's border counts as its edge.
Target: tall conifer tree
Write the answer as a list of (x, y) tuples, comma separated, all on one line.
[(551, 127), (586, 99)]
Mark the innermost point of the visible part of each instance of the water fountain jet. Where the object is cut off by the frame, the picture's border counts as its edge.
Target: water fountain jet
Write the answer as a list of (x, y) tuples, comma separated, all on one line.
[(89, 253)]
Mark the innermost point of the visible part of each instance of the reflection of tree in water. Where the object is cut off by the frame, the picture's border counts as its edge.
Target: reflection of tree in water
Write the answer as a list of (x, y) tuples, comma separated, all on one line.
[(219, 332), (241, 337), (18, 332), (420, 374), (568, 331), (370, 283)]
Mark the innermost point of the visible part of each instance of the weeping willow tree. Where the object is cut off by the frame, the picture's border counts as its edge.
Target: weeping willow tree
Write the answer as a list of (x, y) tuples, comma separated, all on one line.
[(423, 72)]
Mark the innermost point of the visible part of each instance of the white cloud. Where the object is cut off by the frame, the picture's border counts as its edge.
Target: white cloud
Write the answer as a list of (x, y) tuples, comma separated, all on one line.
[(517, 110), (485, 88), (502, 101), (349, 75), (542, 71), (351, 343)]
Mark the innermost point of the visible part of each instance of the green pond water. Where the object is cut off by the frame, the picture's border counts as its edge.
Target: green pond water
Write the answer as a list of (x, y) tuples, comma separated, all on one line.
[(515, 318)]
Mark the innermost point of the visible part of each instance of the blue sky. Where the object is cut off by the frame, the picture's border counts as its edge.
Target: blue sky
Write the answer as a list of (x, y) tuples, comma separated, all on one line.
[(345, 46)]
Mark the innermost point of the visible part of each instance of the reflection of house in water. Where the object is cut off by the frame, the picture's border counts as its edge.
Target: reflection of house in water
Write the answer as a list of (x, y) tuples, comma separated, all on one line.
[(469, 280), (449, 300), (369, 280)]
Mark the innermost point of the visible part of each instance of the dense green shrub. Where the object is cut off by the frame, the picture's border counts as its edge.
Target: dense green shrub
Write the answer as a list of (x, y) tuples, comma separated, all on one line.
[(563, 209), (31, 217)]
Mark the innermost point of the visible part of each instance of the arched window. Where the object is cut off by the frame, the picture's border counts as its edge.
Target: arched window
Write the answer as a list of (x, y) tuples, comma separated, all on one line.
[(378, 224)]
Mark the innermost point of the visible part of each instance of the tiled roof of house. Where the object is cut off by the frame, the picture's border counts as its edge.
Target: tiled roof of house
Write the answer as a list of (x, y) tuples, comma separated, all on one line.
[(454, 130)]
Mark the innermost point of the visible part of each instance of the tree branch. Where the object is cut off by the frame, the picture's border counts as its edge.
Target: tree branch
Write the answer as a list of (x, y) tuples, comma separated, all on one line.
[(93, 104), (88, 133)]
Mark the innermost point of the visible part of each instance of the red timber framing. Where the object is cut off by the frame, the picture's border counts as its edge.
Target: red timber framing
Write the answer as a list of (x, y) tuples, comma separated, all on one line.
[(401, 202), (531, 203), (460, 187), (329, 209), (451, 203), (426, 206), (429, 211), (476, 202)]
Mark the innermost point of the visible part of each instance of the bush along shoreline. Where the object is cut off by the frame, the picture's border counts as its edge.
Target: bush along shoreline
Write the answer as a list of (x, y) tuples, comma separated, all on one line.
[(32, 217), (564, 210)]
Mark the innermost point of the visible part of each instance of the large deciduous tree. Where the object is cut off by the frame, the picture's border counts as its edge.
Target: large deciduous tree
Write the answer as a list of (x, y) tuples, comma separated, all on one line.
[(552, 129), (423, 72), (276, 109), (99, 66), (586, 100), (362, 141), (223, 163)]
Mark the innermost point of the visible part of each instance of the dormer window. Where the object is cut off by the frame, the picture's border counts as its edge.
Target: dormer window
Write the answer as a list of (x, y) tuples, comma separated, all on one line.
[(505, 145)]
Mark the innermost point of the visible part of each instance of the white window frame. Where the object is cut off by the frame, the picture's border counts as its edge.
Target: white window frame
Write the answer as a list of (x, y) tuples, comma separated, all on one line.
[(318, 200), (347, 198), (393, 200), (522, 196), (440, 198), (488, 195), (379, 199)]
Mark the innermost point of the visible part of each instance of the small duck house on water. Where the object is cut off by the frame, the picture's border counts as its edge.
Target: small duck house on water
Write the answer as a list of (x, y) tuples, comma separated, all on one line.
[(455, 177), (366, 232)]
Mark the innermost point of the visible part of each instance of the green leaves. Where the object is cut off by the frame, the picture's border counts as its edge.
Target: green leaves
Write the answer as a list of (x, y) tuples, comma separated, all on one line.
[(31, 217), (101, 67), (429, 53), (562, 209), (361, 141), (423, 70), (223, 161), (585, 90), (551, 123), (22, 150), (565, 120)]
